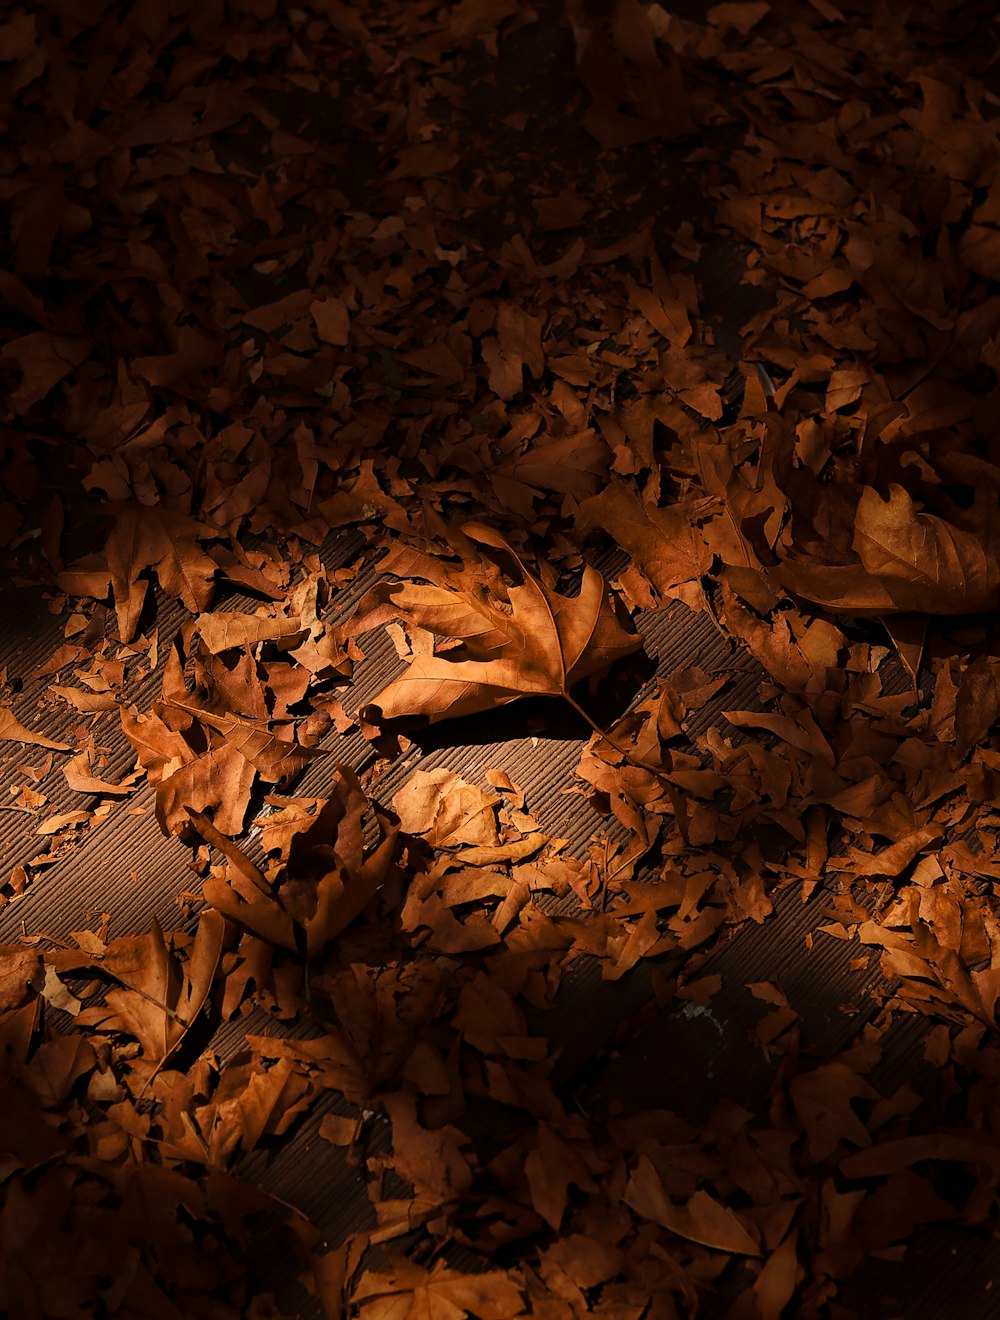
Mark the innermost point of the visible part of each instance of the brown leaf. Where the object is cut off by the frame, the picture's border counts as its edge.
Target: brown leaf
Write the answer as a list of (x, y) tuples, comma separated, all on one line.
[(220, 781), (268, 1103), (12, 730), (977, 703), (908, 562), (515, 640), (272, 756), (975, 1149), (159, 994), (227, 629), (446, 810), (550, 1167), (800, 730), (800, 659), (823, 1100), (44, 360), (662, 541), (88, 703), (431, 1160), (151, 537), (57, 1066), (517, 345), (332, 319), (410, 1291), (18, 968), (81, 778), (703, 1219), (329, 879)]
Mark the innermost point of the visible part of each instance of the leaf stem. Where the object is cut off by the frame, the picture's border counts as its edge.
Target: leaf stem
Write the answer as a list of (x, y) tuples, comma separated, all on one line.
[(622, 751), (676, 801)]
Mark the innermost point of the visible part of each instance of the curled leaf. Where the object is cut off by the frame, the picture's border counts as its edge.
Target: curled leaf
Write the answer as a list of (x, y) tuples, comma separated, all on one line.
[(906, 561)]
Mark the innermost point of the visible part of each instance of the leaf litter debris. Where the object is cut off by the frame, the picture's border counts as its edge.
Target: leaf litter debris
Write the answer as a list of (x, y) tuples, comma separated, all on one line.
[(381, 271)]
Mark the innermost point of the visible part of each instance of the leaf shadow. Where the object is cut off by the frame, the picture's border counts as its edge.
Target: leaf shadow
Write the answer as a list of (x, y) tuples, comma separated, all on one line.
[(544, 718)]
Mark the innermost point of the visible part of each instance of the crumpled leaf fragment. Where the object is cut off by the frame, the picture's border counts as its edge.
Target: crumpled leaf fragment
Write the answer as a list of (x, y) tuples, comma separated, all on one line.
[(410, 1292), (12, 730), (703, 1219), (329, 878)]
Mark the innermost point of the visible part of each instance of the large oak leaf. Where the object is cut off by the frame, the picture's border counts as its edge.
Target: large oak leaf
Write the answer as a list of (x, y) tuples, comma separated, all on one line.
[(515, 636)]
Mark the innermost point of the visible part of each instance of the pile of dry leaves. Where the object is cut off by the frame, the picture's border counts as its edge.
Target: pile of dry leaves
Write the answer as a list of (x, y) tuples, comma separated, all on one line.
[(464, 344)]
